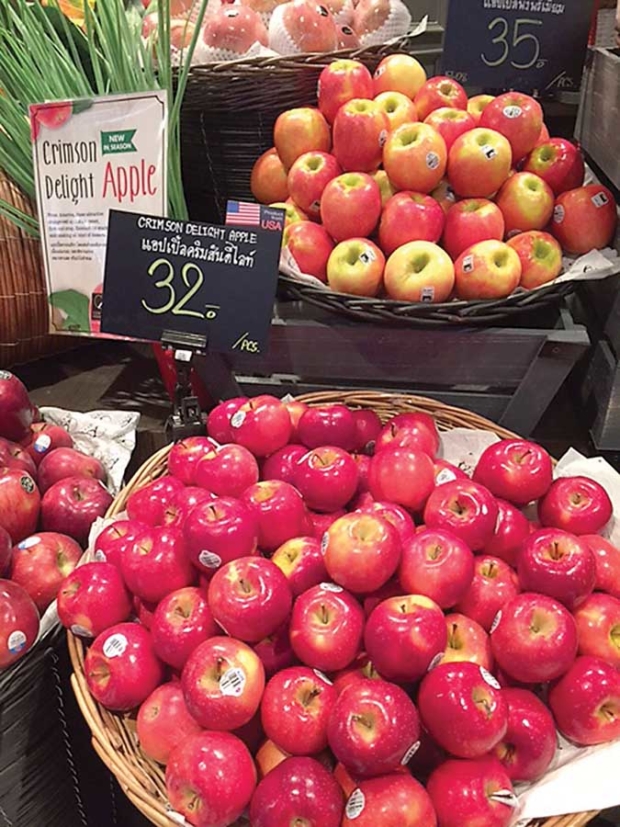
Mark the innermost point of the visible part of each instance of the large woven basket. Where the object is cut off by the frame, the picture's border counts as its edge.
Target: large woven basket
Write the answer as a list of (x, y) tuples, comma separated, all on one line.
[(114, 736), (229, 110)]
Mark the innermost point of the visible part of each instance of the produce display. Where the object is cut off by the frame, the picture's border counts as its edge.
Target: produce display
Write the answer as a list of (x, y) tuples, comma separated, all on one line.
[(399, 186), (320, 622), (47, 487)]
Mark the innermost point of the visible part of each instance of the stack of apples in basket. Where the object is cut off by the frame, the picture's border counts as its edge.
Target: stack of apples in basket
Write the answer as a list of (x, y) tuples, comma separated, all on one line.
[(321, 623), (44, 484), (401, 187)]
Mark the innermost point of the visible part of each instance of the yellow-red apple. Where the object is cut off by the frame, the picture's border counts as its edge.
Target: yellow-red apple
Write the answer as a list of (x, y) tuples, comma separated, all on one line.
[(477, 105), (471, 221), (340, 82), (360, 131), (415, 157), (444, 195), (308, 177), (559, 163), (300, 130), (438, 92), (585, 219), (350, 206), (268, 181), (398, 107), (292, 212), (386, 187), (540, 256), (419, 272), (526, 203), (399, 73), (410, 216), (487, 270), (479, 163), (450, 123), (519, 118), (310, 245), (356, 267)]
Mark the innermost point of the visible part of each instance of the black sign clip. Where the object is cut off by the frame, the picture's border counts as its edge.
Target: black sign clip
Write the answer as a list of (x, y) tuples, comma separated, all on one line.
[(188, 418)]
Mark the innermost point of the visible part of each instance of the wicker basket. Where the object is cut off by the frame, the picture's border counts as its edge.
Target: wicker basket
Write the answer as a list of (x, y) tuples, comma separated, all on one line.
[(229, 110), (114, 737)]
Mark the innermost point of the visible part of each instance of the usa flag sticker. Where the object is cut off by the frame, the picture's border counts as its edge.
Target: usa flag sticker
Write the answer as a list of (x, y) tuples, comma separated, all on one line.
[(247, 214)]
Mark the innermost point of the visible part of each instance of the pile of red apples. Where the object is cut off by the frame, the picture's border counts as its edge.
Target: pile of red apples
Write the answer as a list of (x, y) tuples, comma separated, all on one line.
[(320, 622), (50, 494), (400, 187)]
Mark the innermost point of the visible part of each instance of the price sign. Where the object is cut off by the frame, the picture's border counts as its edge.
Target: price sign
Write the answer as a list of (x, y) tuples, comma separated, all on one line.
[(215, 283), (517, 44)]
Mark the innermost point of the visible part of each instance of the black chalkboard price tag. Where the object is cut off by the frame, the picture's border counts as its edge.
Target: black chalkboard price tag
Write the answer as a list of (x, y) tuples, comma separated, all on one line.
[(518, 44), (214, 283)]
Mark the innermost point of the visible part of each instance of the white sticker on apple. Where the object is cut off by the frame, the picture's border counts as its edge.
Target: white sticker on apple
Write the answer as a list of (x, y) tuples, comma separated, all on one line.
[(322, 677), (16, 641), (445, 475), (4, 374), (432, 160), (232, 682), (355, 804), (427, 294), (600, 200), (42, 443), (324, 543), (29, 542), (435, 661), (237, 419), (380, 71), (80, 631), (115, 645), (489, 678), (410, 753), (383, 137), (27, 484), (558, 214), (513, 112), (209, 560), (496, 622), (331, 587), (100, 556), (368, 255), (489, 152), (468, 264)]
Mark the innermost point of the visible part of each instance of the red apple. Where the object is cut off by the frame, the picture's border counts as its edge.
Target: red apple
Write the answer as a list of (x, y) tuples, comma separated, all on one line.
[(403, 476), (530, 742), (446, 472), (586, 702), (185, 455), (403, 635), (280, 465), (19, 623), (164, 722), (67, 462), (540, 256), (218, 421), (310, 246), (409, 216), (41, 562), (477, 105), (444, 195), (598, 627), (301, 130), (15, 408), (511, 530), (19, 503), (297, 791), (438, 565), (149, 503), (607, 564), (464, 508), (6, 551), (367, 428), (45, 438), (340, 82), (356, 267), (350, 206), (301, 561), (296, 410), (182, 621), (471, 221), (394, 514), (558, 162), (223, 682), (144, 612), (576, 504), (415, 157), (419, 271), (250, 598), (519, 118), (487, 270), (398, 108), (92, 599), (72, 505), (399, 73), (463, 709), (156, 563), (439, 92), (535, 639), (308, 177), (268, 180), (121, 667), (373, 728), (262, 425), (275, 651), (526, 202), (585, 219), (326, 627), (268, 757), (219, 531), (210, 778), (472, 792), (362, 551), (327, 425), (183, 502), (14, 456), (515, 470), (395, 800), (326, 477), (467, 641), (110, 544), (359, 133), (321, 522), (494, 585), (479, 162), (450, 123), (279, 510)]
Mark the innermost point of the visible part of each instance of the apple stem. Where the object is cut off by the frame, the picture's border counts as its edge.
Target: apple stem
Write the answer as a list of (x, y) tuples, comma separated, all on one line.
[(323, 614)]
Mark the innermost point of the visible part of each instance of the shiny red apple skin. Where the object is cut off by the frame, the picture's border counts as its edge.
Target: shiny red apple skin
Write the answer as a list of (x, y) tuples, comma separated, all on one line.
[(394, 514), (450, 123), (515, 470), (373, 727), (219, 531), (367, 428), (327, 425), (93, 598), (535, 640), (394, 800), (403, 635), (519, 118), (295, 709), (296, 410), (301, 561), (391, 589), (280, 511), (361, 669), (557, 564), (410, 216), (586, 702), (148, 504), (13, 455), (182, 621), (307, 178), (41, 562), (327, 478), (183, 502), (585, 218), (121, 667), (607, 558), (281, 464), (403, 476), (576, 504), (185, 455), (6, 551), (416, 431), (15, 409), (467, 642), (511, 530), (226, 470), (359, 132), (250, 598), (437, 93), (164, 722), (19, 622), (297, 791), (262, 425), (437, 564), (72, 505), (156, 563), (558, 162), (275, 651), (216, 768), (494, 584), (321, 522), (19, 504), (462, 793), (598, 627), (340, 82), (223, 682), (327, 625), (530, 742), (67, 462), (469, 222), (464, 508), (110, 544), (218, 421), (362, 551), (267, 758)]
